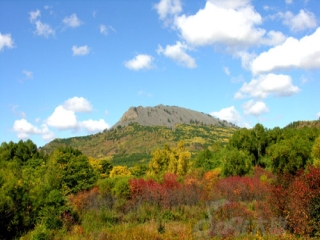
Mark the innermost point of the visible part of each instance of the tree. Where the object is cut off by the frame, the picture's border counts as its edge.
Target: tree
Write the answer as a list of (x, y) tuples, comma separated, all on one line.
[(179, 160), (120, 171), (290, 155), (160, 160), (237, 163), (174, 160), (70, 170)]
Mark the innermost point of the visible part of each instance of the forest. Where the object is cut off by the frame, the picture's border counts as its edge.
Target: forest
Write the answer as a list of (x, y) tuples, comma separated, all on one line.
[(261, 184)]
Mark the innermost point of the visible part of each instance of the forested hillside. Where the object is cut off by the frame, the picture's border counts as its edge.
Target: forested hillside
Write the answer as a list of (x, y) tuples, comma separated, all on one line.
[(260, 184), (138, 139)]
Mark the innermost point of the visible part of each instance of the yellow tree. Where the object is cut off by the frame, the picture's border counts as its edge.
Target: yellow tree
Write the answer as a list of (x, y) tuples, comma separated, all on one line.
[(120, 171), (174, 160), (179, 160), (160, 160)]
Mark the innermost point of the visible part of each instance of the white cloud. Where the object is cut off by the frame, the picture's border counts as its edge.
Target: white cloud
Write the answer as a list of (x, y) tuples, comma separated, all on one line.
[(246, 58), (318, 115), (63, 119), (24, 129), (230, 114), (5, 41), (302, 21), (255, 108), (227, 22), (64, 116), (34, 15), (168, 7), (43, 29), (293, 53), (46, 133), (80, 51), (72, 21), (274, 38), (265, 85), (28, 74), (103, 29), (178, 54), (288, 1), (92, 126), (141, 61), (77, 104)]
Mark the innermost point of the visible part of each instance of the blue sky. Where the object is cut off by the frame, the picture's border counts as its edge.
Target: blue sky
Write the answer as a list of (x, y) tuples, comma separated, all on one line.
[(72, 68)]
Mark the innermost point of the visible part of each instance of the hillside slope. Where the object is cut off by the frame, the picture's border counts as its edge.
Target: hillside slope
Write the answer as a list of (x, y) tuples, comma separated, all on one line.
[(142, 130)]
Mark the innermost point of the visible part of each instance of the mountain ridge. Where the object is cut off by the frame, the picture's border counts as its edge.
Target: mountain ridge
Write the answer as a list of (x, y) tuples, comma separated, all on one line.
[(168, 116)]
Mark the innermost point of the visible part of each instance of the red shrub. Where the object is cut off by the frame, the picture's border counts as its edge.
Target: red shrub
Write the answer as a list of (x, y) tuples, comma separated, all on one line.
[(297, 199), (167, 194), (241, 189)]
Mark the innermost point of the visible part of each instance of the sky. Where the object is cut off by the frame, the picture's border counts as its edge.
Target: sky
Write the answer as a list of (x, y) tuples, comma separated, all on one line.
[(72, 68)]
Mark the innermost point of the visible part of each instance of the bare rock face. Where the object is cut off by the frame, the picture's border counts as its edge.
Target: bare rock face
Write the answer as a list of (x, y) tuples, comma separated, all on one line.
[(168, 116), (131, 114)]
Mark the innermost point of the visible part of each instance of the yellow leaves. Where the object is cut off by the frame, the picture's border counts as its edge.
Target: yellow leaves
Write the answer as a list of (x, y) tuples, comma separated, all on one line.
[(120, 171), (174, 160)]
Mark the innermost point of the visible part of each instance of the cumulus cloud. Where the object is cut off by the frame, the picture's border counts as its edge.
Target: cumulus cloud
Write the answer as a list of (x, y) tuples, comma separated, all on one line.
[(302, 21), (23, 129), (274, 38), (177, 53), (255, 108), (318, 115), (72, 21), (80, 51), (77, 104), (141, 61), (5, 41), (166, 8), (228, 22), (293, 53), (92, 126), (265, 85), (230, 114), (43, 29), (63, 119), (34, 15)]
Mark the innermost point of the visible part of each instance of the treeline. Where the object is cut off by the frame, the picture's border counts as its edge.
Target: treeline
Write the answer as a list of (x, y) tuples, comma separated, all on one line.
[(278, 150)]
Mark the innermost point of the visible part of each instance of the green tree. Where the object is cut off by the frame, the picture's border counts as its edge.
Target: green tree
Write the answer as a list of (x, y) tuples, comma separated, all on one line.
[(237, 162), (70, 171), (290, 155)]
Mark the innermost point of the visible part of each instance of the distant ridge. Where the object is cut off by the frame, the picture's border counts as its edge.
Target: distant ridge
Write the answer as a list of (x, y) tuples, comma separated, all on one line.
[(168, 116)]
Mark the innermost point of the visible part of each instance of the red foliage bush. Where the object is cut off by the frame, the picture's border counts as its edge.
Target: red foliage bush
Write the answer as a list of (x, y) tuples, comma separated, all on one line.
[(241, 189), (297, 199), (167, 194)]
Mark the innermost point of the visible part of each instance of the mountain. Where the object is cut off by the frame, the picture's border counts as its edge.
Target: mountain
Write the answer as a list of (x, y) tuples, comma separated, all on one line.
[(141, 130), (167, 116)]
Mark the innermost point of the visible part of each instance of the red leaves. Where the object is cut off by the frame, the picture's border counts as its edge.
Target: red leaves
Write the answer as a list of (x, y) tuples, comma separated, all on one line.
[(167, 194), (293, 199), (241, 188)]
